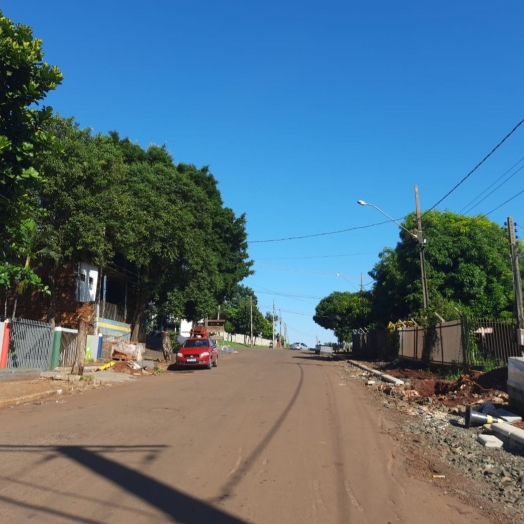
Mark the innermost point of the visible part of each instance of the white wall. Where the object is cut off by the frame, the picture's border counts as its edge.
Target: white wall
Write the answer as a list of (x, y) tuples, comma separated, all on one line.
[(233, 337)]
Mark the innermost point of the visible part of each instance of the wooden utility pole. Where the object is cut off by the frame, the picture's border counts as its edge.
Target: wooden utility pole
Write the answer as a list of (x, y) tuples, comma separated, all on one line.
[(517, 284), (273, 322), (280, 319), (421, 245), (251, 315)]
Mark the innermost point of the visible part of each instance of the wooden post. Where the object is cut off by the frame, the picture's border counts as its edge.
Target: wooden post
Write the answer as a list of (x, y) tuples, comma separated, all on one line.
[(517, 284), (421, 246), (80, 357)]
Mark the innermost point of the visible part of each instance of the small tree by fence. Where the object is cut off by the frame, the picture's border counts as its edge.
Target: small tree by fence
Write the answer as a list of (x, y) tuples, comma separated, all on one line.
[(462, 342)]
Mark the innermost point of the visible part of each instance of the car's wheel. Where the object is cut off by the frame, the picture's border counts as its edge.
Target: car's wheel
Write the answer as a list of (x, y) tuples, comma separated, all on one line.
[(210, 364), (215, 363)]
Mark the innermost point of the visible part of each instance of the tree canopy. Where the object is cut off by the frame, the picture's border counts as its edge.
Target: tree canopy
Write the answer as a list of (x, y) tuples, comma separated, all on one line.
[(342, 312), (468, 270), (109, 202), (25, 80)]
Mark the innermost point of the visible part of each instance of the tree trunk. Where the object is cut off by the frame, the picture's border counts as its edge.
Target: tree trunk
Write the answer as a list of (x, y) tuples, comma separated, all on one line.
[(167, 349), (138, 313), (51, 313), (80, 357), (17, 287)]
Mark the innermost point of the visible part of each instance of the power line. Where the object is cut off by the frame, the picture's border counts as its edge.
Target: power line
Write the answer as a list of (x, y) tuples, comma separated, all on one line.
[(321, 256), (470, 207), (476, 167), (489, 194), (504, 203), (321, 234)]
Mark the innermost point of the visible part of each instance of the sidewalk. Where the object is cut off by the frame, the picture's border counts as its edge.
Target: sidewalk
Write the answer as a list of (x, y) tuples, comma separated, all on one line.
[(19, 389), (28, 386)]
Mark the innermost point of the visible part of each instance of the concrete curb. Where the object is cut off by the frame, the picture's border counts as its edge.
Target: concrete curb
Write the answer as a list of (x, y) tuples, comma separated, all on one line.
[(382, 376), (510, 434), (28, 398)]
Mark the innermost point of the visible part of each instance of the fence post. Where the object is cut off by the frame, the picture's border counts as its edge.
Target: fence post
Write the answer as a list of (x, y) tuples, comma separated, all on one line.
[(4, 348), (55, 353), (466, 356)]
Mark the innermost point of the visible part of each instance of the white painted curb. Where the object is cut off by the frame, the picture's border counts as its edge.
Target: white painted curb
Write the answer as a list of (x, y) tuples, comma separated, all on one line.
[(384, 377)]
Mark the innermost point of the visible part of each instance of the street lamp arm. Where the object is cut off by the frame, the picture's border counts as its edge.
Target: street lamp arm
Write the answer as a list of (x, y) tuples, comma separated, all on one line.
[(342, 276), (362, 203)]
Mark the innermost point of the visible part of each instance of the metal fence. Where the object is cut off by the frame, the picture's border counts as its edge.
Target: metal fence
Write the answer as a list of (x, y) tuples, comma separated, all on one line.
[(456, 342), (68, 342), (31, 344), (492, 340)]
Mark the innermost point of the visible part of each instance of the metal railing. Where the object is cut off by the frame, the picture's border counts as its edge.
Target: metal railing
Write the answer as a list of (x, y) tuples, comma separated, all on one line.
[(68, 342), (31, 344)]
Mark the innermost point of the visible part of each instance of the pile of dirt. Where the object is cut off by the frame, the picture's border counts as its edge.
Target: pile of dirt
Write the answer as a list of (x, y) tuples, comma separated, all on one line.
[(472, 388)]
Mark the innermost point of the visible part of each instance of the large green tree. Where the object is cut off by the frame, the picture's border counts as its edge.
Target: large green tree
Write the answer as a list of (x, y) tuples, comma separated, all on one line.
[(343, 312), (25, 80), (467, 266)]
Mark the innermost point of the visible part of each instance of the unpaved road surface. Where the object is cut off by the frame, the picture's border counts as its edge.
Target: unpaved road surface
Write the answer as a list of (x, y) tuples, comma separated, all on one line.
[(270, 436)]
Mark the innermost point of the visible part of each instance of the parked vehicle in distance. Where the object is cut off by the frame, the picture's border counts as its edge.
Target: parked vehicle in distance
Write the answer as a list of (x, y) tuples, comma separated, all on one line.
[(299, 345), (197, 351)]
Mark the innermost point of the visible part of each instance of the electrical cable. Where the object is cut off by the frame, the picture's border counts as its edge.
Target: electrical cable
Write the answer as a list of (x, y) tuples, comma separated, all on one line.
[(504, 203), (321, 256), (476, 167), (469, 207), (321, 234), (489, 194)]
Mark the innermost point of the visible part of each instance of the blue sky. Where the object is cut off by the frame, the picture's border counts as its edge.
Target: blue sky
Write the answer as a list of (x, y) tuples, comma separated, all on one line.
[(302, 108)]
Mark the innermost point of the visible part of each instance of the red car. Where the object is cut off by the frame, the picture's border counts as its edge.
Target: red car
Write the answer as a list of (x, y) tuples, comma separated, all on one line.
[(197, 352)]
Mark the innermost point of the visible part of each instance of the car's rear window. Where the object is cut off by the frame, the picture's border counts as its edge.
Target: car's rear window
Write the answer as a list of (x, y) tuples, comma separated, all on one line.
[(196, 344)]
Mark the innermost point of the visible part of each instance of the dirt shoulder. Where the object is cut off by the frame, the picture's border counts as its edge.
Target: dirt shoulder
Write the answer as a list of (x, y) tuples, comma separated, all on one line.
[(429, 414)]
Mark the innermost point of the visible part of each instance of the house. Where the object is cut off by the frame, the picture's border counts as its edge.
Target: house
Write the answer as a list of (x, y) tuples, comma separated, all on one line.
[(75, 287)]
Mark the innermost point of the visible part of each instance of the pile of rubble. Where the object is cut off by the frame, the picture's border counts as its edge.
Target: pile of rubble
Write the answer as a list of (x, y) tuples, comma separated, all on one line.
[(434, 421)]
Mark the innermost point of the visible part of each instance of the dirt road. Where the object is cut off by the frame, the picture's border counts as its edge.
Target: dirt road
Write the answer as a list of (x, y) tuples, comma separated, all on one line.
[(270, 436)]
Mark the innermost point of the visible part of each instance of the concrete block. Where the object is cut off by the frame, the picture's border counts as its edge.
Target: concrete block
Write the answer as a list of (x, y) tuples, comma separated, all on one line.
[(490, 441), (516, 397), (504, 430), (517, 438), (509, 417)]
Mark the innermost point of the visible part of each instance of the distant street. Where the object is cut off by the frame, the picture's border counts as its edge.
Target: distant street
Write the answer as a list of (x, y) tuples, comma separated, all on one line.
[(270, 436)]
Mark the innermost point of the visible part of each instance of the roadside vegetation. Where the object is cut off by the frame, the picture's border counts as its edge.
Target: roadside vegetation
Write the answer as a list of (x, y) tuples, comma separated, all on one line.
[(68, 195), (469, 276)]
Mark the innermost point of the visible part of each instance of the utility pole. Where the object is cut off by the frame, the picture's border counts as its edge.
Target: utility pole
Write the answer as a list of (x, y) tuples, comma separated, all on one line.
[(285, 332), (273, 322), (361, 283), (251, 315), (280, 319), (517, 284), (421, 245)]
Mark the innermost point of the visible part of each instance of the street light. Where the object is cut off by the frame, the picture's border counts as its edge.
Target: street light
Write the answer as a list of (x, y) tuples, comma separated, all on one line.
[(342, 276), (418, 238), (362, 203)]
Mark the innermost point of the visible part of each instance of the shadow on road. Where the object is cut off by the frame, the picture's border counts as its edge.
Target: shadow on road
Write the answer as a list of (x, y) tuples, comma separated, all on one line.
[(176, 505)]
